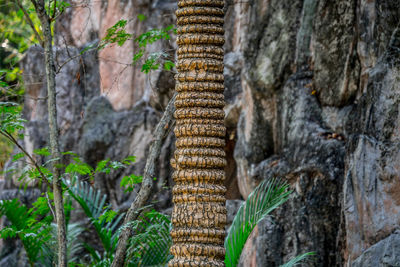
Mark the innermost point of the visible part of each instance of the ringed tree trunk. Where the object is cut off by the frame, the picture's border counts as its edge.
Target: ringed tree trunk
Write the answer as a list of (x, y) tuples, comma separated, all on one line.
[(199, 213)]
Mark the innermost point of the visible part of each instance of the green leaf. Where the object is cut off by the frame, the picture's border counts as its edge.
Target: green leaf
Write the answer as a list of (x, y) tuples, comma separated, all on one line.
[(101, 165), (82, 169), (116, 34), (71, 153), (117, 165), (42, 152), (168, 65), (141, 17), (151, 242), (298, 259), (30, 229), (129, 182), (269, 195), (93, 204), (87, 48), (108, 216), (129, 160), (138, 55), (18, 156)]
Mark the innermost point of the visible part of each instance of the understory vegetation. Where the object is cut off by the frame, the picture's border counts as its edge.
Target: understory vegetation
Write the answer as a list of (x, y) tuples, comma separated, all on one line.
[(35, 224)]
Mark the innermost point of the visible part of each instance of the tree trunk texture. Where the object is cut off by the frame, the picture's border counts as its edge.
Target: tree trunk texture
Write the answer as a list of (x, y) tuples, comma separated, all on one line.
[(147, 185), (53, 131), (199, 213)]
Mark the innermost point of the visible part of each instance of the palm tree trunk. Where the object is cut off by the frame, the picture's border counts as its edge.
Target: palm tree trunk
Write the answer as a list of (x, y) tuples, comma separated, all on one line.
[(199, 213)]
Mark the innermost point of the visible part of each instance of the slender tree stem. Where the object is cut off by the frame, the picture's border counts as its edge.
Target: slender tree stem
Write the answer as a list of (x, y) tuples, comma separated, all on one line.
[(53, 129), (147, 184)]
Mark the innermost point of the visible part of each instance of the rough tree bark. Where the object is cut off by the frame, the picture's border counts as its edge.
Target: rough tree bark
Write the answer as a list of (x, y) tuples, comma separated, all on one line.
[(45, 21), (199, 213), (147, 184)]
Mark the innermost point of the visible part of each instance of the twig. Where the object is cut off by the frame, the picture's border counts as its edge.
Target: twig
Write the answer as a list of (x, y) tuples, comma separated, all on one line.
[(13, 140), (50, 206), (147, 184), (30, 22), (66, 62), (54, 10)]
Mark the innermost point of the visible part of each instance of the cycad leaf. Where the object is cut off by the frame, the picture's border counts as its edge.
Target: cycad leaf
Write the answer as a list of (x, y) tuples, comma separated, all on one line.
[(151, 241), (264, 199), (298, 259), (73, 244), (93, 204), (33, 233)]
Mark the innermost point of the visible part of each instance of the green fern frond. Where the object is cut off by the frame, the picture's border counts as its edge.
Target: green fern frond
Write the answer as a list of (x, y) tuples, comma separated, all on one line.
[(32, 232), (74, 246), (298, 259), (264, 199), (93, 204), (151, 241)]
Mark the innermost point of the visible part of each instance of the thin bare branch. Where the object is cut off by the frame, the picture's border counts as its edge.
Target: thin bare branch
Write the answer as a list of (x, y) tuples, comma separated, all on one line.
[(145, 191), (15, 142), (30, 22)]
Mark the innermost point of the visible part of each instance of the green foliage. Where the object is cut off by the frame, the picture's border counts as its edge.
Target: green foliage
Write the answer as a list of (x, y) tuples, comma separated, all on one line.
[(11, 123), (154, 35), (27, 225), (298, 259), (108, 216), (264, 199), (34, 228), (141, 17), (74, 245), (77, 166), (93, 204), (268, 195), (154, 60), (151, 240), (10, 117), (169, 65), (6, 148), (129, 182), (117, 34), (55, 8), (42, 151), (17, 36)]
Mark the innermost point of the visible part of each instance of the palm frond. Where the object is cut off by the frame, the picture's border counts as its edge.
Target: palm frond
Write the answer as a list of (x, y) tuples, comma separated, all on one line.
[(298, 259), (151, 241), (268, 195), (93, 204), (74, 246), (32, 232)]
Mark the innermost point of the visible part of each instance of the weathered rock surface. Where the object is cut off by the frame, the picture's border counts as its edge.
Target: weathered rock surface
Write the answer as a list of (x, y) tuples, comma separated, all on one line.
[(313, 96), (383, 253)]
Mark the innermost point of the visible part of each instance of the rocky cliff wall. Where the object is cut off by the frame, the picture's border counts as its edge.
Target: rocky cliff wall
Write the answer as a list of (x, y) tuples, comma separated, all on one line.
[(313, 95)]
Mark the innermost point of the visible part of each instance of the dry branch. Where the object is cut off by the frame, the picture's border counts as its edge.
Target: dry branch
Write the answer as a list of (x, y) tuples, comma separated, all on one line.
[(147, 184)]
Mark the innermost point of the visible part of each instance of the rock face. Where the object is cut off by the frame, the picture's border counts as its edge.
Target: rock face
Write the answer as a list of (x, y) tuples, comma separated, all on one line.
[(313, 96)]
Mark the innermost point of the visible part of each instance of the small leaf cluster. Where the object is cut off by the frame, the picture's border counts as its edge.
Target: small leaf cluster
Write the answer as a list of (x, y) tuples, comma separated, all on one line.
[(129, 182), (31, 226), (154, 60), (10, 117), (117, 34), (55, 8)]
